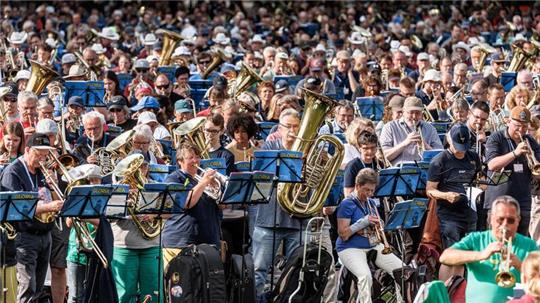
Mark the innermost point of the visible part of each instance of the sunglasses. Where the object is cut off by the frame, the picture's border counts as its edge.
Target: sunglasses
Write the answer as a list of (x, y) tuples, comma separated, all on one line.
[(204, 62), (115, 110), (162, 86)]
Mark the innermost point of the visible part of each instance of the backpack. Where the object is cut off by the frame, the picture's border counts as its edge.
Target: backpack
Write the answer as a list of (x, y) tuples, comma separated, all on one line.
[(411, 279), (196, 275), (310, 279), (456, 286), (242, 279)]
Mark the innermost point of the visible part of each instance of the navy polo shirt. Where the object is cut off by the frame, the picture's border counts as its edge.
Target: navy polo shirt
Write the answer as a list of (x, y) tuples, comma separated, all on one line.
[(519, 183)]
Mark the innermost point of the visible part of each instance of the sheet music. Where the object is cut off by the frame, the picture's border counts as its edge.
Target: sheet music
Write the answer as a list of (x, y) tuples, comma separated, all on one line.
[(116, 208)]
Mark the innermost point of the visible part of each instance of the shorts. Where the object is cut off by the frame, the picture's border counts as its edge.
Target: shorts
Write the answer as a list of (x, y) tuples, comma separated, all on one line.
[(59, 246)]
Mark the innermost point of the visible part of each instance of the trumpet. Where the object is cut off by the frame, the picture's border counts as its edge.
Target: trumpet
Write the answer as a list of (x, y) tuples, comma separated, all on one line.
[(533, 163), (418, 130), (504, 277), (379, 230), (215, 190)]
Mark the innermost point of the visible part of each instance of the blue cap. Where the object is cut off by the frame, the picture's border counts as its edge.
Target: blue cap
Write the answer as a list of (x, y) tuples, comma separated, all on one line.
[(75, 100), (183, 106), (146, 102), (461, 138)]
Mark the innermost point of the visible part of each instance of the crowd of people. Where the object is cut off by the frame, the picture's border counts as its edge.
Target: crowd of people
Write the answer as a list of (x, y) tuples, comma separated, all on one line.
[(451, 86)]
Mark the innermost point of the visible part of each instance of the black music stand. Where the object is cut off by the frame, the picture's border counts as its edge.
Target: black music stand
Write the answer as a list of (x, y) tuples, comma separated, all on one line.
[(162, 199), (247, 188), (86, 201), (496, 177), (397, 182), (406, 215), (287, 167), (14, 207)]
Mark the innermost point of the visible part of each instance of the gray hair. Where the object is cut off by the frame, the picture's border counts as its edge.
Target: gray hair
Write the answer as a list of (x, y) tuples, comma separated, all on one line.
[(506, 200), (26, 95), (143, 130), (43, 102), (289, 112), (93, 115)]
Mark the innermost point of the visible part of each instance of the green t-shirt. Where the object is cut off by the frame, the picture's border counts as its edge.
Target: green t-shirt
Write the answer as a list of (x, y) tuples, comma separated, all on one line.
[(481, 285), (73, 254)]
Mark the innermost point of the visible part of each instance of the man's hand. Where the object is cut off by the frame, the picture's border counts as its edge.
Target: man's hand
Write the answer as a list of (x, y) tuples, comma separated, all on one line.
[(515, 262), (452, 197), (521, 149), (492, 248), (412, 138), (92, 159), (329, 210)]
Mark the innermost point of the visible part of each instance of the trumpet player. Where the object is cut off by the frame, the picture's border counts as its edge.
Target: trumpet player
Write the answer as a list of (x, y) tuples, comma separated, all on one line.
[(33, 243), (476, 124), (450, 171), (199, 222), (484, 253), (511, 149), (404, 139), (93, 138), (357, 220)]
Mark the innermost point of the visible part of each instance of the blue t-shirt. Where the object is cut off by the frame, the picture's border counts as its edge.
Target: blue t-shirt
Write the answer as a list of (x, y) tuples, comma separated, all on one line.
[(352, 209)]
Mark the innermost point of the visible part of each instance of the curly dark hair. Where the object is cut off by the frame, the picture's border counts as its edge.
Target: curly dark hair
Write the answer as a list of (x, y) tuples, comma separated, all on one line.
[(245, 121)]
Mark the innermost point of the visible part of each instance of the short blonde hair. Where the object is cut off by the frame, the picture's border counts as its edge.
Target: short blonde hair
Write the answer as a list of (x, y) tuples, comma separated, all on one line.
[(510, 100), (357, 126), (530, 269)]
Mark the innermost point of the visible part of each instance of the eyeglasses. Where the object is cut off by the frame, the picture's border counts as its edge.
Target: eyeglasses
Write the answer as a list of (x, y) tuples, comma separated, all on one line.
[(211, 130), (9, 99), (115, 110), (141, 143), (204, 62), (510, 220), (165, 86)]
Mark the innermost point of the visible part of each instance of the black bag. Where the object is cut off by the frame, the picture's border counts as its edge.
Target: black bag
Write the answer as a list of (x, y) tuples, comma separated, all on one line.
[(242, 279), (315, 276), (213, 274), (196, 276), (411, 279)]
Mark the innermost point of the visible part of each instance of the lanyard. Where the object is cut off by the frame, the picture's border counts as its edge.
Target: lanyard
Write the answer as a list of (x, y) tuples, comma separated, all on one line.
[(34, 185), (512, 148)]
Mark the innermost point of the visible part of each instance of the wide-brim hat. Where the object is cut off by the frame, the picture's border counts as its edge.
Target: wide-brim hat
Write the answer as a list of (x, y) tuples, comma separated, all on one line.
[(108, 33), (222, 39), (17, 37), (356, 38), (461, 45), (76, 70)]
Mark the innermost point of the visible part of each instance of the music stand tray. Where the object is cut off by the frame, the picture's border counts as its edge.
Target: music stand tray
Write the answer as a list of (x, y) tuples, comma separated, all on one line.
[(163, 198), (86, 201), (495, 178), (423, 166), (117, 206), (16, 206), (217, 164), (407, 214), (286, 165), (248, 188)]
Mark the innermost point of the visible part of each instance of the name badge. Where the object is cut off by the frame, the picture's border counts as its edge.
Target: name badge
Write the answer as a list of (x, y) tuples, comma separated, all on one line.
[(345, 90), (518, 167)]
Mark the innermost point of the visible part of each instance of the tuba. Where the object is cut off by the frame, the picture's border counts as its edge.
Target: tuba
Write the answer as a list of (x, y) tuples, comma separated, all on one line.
[(246, 78), (192, 131), (170, 40), (129, 169), (40, 76), (519, 59), (218, 57), (485, 50), (307, 199)]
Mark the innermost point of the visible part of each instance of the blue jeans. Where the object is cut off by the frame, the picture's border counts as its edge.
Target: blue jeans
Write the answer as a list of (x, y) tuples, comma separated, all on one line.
[(262, 250), (453, 231), (75, 278)]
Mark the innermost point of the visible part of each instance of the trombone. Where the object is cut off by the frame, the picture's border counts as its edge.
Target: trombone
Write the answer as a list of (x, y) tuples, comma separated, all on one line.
[(379, 230), (504, 277)]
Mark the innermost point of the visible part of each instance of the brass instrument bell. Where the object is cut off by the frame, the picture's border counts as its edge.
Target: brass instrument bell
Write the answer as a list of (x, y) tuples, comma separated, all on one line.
[(218, 57), (40, 76), (170, 41), (192, 130)]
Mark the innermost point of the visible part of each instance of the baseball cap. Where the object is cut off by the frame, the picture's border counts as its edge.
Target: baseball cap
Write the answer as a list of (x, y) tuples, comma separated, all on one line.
[(141, 64), (39, 141), (432, 75), (282, 55), (413, 103), (183, 106), (220, 82), (497, 57), (281, 85), (316, 65), (68, 58), (396, 102), (146, 102), (75, 100), (460, 136), (422, 56), (22, 74), (117, 102), (147, 117), (10, 90), (520, 114), (47, 126)]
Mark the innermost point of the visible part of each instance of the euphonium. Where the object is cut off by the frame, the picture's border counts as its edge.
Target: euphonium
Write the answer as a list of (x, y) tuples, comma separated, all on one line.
[(218, 57), (170, 40), (40, 76), (519, 59), (129, 170), (533, 163), (246, 78), (306, 199), (485, 51), (215, 190), (192, 131), (504, 277)]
